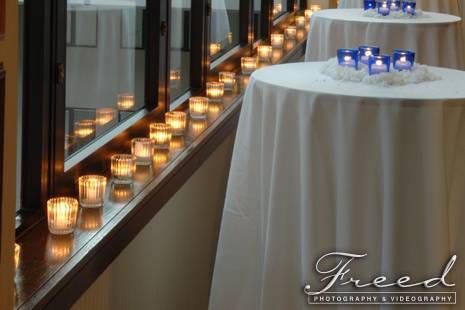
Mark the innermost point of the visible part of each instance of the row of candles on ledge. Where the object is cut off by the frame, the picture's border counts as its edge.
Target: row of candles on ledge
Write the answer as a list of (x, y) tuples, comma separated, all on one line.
[(385, 7), (278, 8), (370, 57)]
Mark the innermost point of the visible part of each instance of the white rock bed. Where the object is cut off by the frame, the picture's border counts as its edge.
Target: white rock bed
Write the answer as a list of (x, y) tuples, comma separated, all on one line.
[(418, 74), (395, 14)]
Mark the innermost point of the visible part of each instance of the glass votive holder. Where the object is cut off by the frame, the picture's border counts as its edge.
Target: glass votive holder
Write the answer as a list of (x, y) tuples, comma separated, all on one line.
[(264, 52), (408, 7), (348, 57), (177, 121), (142, 149), (308, 15), (62, 215), (160, 133), (126, 101), (215, 91), (383, 8), (92, 190), (369, 4), (366, 51), (228, 79), (403, 60), (17, 254), (378, 64), (215, 48), (394, 5), (290, 32), (300, 21), (84, 128), (248, 65), (277, 40), (198, 107), (104, 115), (123, 167)]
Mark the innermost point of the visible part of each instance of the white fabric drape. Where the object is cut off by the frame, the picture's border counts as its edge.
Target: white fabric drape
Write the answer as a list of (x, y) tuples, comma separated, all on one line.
[(437, 40), (322, 166), (441, 6)]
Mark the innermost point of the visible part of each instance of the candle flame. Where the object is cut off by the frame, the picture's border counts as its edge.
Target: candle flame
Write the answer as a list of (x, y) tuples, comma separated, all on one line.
[(379, 62)]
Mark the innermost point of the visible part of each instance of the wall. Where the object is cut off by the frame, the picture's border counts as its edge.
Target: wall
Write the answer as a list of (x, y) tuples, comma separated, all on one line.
[(9, 55), (169, 264)]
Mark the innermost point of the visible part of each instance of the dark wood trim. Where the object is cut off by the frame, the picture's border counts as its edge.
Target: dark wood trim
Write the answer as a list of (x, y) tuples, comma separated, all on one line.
[(199, 52), (156, 51), (267, 18), (2, 19), (245, 21), (2, 147)]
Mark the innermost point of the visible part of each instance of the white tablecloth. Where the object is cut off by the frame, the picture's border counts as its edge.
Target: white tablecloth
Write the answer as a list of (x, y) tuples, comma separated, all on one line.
[(437, 40), (321, 166), (441, 6)]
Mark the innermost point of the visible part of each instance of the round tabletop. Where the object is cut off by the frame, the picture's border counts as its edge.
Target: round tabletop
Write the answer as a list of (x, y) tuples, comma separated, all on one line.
[(307, 77), (356, 15), (442, 6)]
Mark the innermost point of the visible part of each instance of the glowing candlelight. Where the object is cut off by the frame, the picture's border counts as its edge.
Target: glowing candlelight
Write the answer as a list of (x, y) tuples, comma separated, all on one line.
[(248, 64), (228, 79), (264, 52), (315, 7), (62, 215), (160, 133), (126, 101), (300, 34), (300, 21), (175, 75), (215, 48), (215, 91), (290, 32), (70, 141), (177, 143), (308, 15), (84, 128), (160, 158), (251, 37), (276, 55), (59, 247), (178, 122), (121, 192), (17, 253), (104, 116), (230, 37), (123, 167), (214, 110), (278, 7), (198, 107), (277, 40), (142, 149), (196, 127), (92, 190)]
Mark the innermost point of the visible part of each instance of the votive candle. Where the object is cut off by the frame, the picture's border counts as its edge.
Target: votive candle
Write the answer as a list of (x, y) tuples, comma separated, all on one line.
[(409, 7), (315, 7), (277, 40), (366, 51), (214, 48), (378, 64), (228, 79), (395, 5), (92, 190), (198, 107), (142, 149), (84, 128), (123, 167), (248, 64), (104, 116), (369, 4), (126, 101), (215, 91), (383, 8), (290, 32), (62, 215), (347, 57), (403, 60), (300, 21), (160, 133), (264, 52), (178, 122)]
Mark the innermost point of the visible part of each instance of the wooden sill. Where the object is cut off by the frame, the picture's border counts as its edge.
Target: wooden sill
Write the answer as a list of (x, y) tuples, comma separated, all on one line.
[(55, 271)]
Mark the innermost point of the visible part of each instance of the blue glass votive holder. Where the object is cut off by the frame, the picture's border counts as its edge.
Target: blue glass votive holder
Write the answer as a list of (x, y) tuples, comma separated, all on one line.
[(378, 64), (403, 60), (383, 7), (409, 7), (366, 51), (394, 5), (369, 4), (347, 57)]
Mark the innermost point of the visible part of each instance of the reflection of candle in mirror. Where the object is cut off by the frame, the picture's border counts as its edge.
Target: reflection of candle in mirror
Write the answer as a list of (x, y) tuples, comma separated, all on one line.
[(177, 120), (228, 79), (196, 127), (248, 64), (300, 21), (177, 143), (198, 107), (123, 167), (84, 128), (142, 149), (70, 141), (59, 247), (277, 40), (92, 190), (230, 37), (121, 192), (104, 116), (278, 7), (160, 158), (214, 48), (62, 215), (251, 37), (175, 74), (17, 254), (160, 133), (290, 32), (264, 52), (91, 219), (308, 14), (215, 91), (126, 101)]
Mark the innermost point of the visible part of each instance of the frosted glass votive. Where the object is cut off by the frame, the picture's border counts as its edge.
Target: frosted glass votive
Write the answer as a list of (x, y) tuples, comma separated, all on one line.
[(84, 128), (248, 65), (277, 40), (178, 122), (104, 116), (264, 52), (123, 167), (62, 215), (160, 133), (126, 101), (198, 107), (215, 91), (142, 149), (92, 190), (290, 32), (228, 79), (300, 21)]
